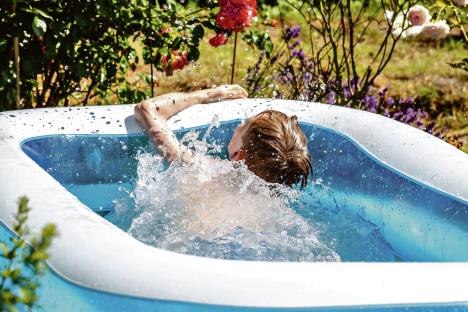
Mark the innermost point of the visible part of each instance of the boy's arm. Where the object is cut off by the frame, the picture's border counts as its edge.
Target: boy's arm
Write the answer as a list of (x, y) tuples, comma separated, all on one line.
[(152, 115)]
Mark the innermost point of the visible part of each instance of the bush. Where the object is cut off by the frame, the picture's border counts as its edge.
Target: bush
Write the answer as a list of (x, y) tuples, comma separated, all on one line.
[(328, 67), (325, 69), (23, 263), (73, 51), (81, 48)]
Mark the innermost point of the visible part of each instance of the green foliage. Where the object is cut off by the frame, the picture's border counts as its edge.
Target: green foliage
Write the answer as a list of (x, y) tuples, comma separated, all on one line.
[(83, 47), (74, 51), (259, 39), (23, 262)]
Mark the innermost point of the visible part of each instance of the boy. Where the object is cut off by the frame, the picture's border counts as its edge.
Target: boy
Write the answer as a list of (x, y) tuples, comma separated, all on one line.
[(272, 144)]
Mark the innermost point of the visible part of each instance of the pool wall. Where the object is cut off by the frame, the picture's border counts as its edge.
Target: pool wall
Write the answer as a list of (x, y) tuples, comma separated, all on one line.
[(94, 253)]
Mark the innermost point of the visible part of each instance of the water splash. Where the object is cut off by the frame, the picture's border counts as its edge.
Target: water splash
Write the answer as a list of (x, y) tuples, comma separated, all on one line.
[(217, 208)]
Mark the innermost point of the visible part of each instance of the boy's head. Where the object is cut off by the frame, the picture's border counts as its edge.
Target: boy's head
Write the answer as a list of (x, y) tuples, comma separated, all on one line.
[(273, 147)]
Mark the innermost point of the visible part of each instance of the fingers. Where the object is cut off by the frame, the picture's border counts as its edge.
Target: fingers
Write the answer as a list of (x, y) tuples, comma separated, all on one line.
[(240, 91), (223, 92), (231, 92)]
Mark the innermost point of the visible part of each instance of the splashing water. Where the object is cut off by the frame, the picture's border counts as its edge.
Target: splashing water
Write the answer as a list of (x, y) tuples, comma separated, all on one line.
[(217, 208), (220, 209)]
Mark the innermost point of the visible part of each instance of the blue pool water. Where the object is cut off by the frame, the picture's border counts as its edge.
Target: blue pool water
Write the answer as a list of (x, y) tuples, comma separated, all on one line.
[(364, 210), (348, 186)]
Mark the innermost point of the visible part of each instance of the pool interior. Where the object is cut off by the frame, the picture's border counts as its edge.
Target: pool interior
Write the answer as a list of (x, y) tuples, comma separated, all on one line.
[(348, 185)]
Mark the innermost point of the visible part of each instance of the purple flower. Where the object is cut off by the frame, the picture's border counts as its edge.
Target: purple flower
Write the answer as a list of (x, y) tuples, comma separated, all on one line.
[(382, 92), (331, 97), (293, 32), (299, 54), (397, 115), (346, 92), (294, 45), (370, 103), (303, 80)]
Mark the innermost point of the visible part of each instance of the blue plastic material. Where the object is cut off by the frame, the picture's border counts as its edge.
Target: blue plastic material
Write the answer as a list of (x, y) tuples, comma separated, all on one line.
[(419, 222), (58, 294)]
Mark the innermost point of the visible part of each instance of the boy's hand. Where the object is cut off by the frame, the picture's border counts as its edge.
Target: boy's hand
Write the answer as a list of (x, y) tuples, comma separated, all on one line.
[(224, 92)]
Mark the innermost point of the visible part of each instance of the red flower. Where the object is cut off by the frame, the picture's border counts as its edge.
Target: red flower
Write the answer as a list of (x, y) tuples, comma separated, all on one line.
[(236, 15), (180, 61), (219, 39), (175, 62)]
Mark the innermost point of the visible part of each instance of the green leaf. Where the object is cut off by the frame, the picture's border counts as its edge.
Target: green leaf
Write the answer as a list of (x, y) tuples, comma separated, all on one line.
[(15, 274), (11, 254), (193, 54), (43, 14), (3, 45), (198, 33), (8, 299), (6, 273), (4, 249), (177, 43), (37, 11), (39, 26), (28, 296)]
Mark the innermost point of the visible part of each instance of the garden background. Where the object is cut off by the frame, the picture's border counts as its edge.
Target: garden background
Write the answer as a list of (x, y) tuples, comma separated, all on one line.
[(404, 59)]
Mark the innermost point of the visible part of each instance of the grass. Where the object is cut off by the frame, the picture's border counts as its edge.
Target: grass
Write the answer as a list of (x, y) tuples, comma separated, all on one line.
[(422, 67)]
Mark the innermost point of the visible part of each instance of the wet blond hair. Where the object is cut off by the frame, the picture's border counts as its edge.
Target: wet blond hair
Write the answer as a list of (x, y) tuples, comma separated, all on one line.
[(276, 148)]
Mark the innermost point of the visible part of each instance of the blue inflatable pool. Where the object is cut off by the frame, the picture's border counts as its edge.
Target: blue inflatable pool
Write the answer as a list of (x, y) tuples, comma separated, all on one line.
[(409, 186)]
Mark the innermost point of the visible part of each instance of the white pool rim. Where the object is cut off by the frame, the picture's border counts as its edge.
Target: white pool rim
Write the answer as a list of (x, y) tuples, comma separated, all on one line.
[(94, 253)]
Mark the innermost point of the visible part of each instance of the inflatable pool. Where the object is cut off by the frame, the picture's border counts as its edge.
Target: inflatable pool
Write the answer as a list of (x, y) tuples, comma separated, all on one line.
[(413, 187)]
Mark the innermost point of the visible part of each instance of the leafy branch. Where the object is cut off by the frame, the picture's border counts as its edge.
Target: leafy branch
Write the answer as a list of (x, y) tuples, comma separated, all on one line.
[(24, 263)]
